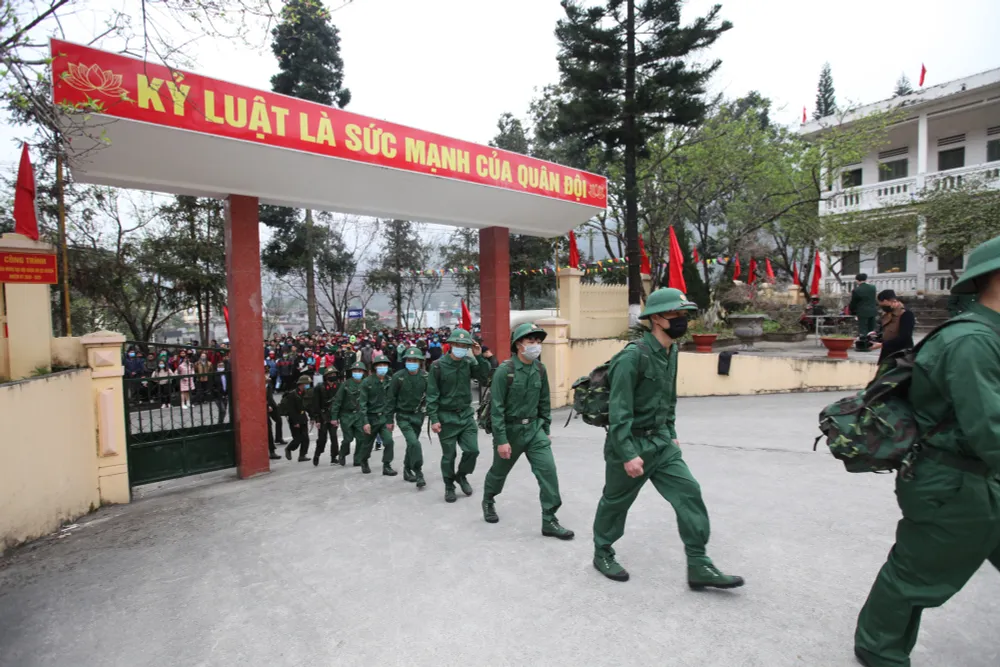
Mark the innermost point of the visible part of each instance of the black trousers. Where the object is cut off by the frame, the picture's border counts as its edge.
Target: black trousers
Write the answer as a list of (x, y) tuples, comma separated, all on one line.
[(276, 418), (300, 439), (326, 429), (270, 437)]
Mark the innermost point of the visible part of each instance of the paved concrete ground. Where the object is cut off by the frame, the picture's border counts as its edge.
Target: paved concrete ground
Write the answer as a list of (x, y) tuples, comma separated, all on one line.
[(325, 566)]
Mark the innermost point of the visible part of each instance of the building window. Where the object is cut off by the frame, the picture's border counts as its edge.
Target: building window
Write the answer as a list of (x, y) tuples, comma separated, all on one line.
[(892, 260), (993, 150), (951, 159), (890, 171), (851, 178), (949, 262), (850, 263)]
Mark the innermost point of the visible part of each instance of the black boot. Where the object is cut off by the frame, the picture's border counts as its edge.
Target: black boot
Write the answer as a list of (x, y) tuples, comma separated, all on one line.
[(408, 475), (316, 458), (364, 468), (418, 477), (463, 482), (342, 460), (449, 493), (274, 456), (490, 511), (388, 471), (288, 452)]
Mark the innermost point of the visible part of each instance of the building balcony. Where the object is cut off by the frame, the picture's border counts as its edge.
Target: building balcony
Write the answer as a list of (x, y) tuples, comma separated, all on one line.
[(904, 191), (934, 282)]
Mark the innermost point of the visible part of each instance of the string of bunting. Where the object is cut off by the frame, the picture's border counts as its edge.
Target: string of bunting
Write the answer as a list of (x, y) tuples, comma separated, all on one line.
[(603, 265)]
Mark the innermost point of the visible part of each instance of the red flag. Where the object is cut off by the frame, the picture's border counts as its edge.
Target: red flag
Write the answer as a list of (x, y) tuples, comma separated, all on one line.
[(225, 314), (817, 273), (737, 271), (694, 255), (25, 218), (768, 271), (923, 74), (752, 277), (574, 254), (644, 267), (466, 317), (676, 263), (804, 117), (795, 274)]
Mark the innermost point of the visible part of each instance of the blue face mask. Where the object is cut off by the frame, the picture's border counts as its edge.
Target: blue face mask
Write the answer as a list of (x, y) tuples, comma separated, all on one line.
[(357, 375), (459, 352), (131, 354), (381, 370), (306, 387), (413, 366)]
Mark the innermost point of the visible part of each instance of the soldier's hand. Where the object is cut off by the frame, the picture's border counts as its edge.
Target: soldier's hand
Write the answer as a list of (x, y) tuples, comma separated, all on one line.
[(633, 468), (436, 427), (335, 423), (504, 451), (677, 442), (390, 426), (477, 349), (368, 429)]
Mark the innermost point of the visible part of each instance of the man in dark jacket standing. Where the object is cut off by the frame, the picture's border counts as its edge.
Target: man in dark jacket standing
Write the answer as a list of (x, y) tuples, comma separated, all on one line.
[(897, 325), (864, 307)]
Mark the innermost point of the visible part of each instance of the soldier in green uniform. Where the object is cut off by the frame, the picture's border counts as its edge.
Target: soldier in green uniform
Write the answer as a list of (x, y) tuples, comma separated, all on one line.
[(407, 398), (642, 444), (298, 406), (374, 410), (449, 408), (324, 395), (864, 306), (522, 419), (346, 412), (951, 507)]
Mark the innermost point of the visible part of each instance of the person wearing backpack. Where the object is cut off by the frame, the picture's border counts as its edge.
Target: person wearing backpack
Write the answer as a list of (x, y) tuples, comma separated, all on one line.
[(449, 408), (407, 396), (951, 501), (373, 402), (521, 422), (324, 394), (642, 444), (346, 413)]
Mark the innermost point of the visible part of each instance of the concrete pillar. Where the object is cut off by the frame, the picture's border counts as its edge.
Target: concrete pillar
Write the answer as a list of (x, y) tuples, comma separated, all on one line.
[(569, 299), (921, 255), (27, 318), (494, 289), (104, 357), (922, 149), (556, 357), (246, 335)]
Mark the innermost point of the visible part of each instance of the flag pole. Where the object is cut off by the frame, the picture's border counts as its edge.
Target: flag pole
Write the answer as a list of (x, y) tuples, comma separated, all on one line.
[(67, 320)]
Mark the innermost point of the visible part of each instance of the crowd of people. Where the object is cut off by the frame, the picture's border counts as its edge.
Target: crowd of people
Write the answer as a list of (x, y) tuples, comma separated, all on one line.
[(158, 373)]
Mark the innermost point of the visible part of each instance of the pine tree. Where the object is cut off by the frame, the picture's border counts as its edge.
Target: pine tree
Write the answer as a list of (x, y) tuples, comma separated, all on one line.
[(903, 86), (307, 46), (461, 252), (629, 71), (826, 100)]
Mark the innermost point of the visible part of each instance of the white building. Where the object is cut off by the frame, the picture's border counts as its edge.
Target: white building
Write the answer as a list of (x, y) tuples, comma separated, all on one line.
[(950, 133)]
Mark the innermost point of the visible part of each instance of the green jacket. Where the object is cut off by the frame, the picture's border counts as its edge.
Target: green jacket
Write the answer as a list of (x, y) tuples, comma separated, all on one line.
[(959, 303), (374, 399), (324, 396), (407, 393), (298, 407), (346, 404), (863, 301), (449, 386), (957, 377), (526, 398), (643, 398)]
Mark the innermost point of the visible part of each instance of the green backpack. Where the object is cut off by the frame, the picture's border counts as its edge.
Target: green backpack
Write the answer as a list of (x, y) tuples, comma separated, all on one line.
[(592, 393), (484, 413), (876, 429)]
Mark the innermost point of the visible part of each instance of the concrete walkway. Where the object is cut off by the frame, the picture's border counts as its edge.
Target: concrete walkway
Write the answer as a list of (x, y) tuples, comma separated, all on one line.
[(308, 567)]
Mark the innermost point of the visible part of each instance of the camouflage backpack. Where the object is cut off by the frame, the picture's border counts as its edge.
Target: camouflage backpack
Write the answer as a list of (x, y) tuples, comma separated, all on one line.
[(592, 393), (876, 429)]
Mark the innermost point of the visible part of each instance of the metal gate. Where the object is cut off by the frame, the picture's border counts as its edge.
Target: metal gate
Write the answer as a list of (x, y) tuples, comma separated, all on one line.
[(177, 423)]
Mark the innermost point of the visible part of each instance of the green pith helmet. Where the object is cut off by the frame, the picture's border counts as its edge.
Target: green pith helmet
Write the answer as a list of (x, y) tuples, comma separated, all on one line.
[(460, 336), (524, 330), (414, 353), (666, 300), (330, 375), (379, 359), (359, 366), (984, 259), (305, 379)]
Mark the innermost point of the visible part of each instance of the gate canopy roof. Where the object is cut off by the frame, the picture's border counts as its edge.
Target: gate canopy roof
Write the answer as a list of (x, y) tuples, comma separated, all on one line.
[(135, 124)]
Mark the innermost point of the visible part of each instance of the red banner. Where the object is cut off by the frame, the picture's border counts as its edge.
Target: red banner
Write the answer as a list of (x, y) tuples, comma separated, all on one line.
[(114, 85), (26, 267)]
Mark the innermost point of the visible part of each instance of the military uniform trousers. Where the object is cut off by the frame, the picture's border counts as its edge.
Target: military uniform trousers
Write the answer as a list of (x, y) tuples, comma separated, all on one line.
[(367, 442), (409, 427), (352, 430), (326, 429), (300, 439), (950, 526), (457, 431), (663, 465), (531, 441), (866, 324)]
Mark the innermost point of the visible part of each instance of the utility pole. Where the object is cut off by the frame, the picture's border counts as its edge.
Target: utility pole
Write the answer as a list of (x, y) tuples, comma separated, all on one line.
[(67, 321)]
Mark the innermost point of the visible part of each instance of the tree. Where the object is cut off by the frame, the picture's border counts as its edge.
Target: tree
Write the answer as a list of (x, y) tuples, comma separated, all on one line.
[(461, 252), (826, 99), (402, 254), (903, 86), (628, 75), (958, 220), (307, 46)]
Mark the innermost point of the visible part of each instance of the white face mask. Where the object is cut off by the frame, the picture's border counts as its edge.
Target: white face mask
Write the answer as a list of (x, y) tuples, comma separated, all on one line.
[(532, 351)]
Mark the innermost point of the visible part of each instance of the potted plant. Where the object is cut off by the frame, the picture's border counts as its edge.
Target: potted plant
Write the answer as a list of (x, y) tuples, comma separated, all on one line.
[(837, 345)]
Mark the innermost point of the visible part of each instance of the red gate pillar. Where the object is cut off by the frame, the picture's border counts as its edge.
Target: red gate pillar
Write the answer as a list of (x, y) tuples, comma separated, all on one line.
[(246, 336), (494, 289)]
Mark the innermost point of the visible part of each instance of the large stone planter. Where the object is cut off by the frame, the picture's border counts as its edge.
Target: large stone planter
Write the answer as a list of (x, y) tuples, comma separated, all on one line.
[(786, 336), (748, 328), (837, 347)]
